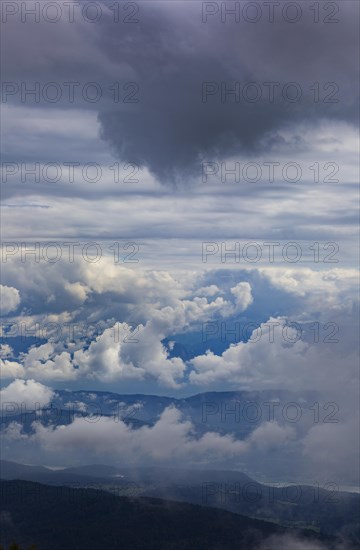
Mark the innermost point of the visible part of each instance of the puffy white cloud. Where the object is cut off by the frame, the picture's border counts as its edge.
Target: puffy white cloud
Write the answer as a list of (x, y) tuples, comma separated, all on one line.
[(154, 305), (171, 439), (5, 351), (136, 309), (9, 299), (78, 290), (210, 290), (324, 288), (11, 369), (106, 357), (26, 393), (133, 353), (43, 363), (243, 297), (285, 362), (270, 435), (14, 430)]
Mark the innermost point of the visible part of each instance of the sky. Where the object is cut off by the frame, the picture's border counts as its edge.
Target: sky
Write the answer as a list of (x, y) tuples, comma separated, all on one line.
[(179, 188)]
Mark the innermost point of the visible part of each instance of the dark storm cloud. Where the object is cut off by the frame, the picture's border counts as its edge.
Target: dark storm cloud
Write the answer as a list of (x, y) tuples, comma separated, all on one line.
[(174, 126), (171, 52)]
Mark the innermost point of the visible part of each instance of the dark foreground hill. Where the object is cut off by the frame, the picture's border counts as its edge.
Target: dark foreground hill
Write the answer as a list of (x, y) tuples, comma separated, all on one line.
[(300, 506), (59, 518)]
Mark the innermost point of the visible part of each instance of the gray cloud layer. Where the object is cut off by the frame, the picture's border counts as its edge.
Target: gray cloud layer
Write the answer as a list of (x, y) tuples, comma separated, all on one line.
[(170, 53)]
